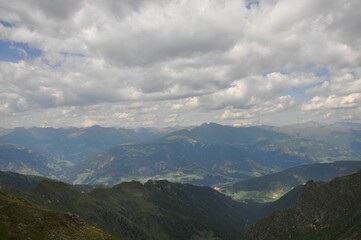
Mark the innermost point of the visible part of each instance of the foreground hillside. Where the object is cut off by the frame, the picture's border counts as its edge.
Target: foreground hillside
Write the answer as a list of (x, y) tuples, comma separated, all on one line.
[(165, 210), (322, 211), (20, 219), (131, 210)]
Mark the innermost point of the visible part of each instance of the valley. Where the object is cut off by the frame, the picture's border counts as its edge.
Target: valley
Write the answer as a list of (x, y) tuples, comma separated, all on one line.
[(207, 155), (206, 182)]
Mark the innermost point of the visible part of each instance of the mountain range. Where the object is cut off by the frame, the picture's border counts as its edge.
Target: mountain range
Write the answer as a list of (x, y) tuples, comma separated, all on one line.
[(206, 155), (75, 144)]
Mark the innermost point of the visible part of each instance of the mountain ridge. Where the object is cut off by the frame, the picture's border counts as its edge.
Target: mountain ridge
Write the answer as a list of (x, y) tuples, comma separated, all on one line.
[(323, 211), (154, 210)]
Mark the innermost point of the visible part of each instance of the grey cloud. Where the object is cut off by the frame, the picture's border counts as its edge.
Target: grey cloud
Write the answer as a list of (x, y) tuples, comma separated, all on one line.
[(13, 102), (53, 11), (197, 56), (345, 26), (58, 9), (121, 9), (40, 13), (179, 38)]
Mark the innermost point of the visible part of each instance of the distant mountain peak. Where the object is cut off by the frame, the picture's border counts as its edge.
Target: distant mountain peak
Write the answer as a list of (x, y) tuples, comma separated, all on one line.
[(211, 124)]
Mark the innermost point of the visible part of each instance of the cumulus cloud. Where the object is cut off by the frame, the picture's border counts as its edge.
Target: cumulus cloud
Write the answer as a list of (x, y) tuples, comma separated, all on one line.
[(333, 102), (235, 115), (180, 62), (255, 90)]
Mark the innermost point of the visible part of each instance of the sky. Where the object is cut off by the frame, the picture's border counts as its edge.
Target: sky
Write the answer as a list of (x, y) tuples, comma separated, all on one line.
[(138, 63)]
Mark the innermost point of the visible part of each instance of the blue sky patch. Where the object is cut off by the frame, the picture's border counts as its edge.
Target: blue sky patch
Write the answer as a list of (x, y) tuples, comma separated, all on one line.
[(5, 24), (322, 72), (300, 93), (17, 51)]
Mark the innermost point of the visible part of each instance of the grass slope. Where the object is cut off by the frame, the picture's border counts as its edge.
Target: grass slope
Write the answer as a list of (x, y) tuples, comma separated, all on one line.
[(155, 210), (21, 220), (323, 211)]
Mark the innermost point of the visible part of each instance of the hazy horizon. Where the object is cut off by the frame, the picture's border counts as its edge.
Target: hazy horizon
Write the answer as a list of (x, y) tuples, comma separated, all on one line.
[(178, 127)]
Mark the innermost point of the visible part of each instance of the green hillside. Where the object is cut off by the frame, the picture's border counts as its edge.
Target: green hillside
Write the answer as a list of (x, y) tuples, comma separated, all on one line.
[(323, 211), (155, 210), (20, 219), (160, 209)]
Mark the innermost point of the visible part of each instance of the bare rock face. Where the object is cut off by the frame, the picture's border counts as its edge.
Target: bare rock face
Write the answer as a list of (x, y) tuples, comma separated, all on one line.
[(323, 211)]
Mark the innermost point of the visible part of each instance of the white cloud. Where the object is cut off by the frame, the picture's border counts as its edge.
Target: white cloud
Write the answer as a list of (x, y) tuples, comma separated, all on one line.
[(199, 59), (122, 115), (333, 102), (281, 104), (227, 114), (340, 84), (256, 90), (88, 122)]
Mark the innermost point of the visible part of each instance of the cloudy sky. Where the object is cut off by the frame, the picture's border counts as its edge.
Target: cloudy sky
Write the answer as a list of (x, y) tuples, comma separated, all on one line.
[(139, 63)]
